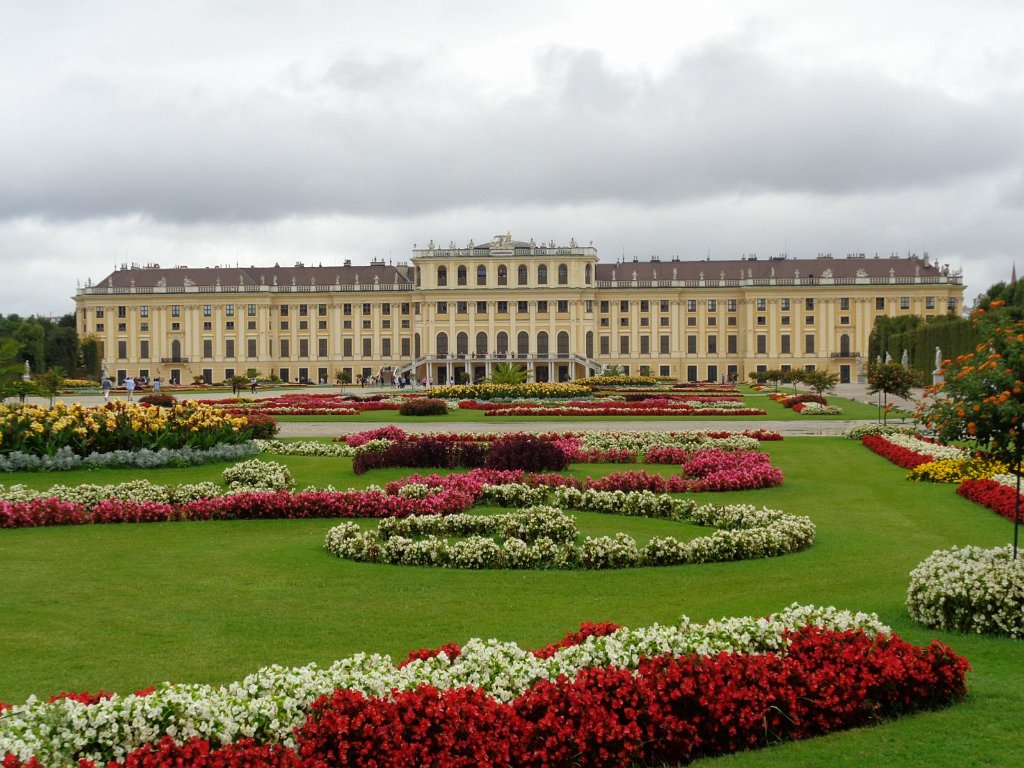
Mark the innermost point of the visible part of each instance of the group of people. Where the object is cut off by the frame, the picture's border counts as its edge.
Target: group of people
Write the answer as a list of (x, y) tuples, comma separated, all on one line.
[(130, 384)]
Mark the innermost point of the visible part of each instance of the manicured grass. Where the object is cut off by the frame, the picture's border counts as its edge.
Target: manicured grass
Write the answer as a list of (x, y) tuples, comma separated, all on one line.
[(119, 607)]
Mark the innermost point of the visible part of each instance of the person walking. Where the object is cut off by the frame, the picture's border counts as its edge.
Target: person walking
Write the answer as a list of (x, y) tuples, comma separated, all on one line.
[(129, 387), (253, 385), (105, 384)]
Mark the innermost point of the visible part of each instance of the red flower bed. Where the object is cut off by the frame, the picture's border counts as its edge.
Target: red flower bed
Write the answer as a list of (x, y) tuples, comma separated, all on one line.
[(996, 496), (671, 710), (903, 457), (456, 497), (307, 404), (650, 407)]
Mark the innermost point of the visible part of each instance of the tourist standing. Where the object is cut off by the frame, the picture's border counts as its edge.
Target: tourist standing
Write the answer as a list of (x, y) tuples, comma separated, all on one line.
[(129, 387)]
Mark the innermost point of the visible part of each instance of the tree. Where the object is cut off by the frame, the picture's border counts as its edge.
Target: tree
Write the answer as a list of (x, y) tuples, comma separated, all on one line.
[(891, 379), (508, 373), (343, 377), (48, 383), (982, 396), (821, 381)]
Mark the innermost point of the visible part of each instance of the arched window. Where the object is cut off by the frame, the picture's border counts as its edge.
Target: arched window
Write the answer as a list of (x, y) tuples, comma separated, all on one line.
[(462, 344), (502, 343), (442, 343), (442, 276), (481, 275), (562, 343), (588, 274), (175, 351), (844, 345), (460, 273), (590, 344), (523, 344), (416, 345), (481, 343), (522, 276), (542, 274), (542, 343), (502, 275), (563, 274)]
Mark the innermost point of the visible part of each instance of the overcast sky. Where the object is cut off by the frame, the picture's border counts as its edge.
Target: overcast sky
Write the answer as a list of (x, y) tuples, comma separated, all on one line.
[(204, 133)]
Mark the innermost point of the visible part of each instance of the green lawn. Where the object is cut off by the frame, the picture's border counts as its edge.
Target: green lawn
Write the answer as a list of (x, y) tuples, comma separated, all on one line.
[(120, 607)]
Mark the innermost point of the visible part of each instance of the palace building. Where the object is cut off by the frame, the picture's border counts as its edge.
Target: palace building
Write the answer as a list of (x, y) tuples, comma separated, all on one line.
[(456, 312)]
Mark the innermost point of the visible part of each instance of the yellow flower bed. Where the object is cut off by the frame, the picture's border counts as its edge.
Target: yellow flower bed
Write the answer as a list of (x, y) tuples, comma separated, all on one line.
[(957, 470), (119, 425), (507, 391)]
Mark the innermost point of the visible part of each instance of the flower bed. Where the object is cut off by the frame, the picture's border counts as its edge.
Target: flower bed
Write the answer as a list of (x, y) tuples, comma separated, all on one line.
[(1000, 497), (957, 470), (817, 409), (508, 391), (969, 589), (310, 404), (117, 426), (631, 696), (545, 537), (897, 454), (603, 407)]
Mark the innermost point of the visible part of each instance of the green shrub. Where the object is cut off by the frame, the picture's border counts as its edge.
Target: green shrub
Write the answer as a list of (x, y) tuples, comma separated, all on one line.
[(423, 406)]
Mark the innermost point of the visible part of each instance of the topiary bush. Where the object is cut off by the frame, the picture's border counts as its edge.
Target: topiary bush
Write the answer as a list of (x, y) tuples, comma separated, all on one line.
[(263, 426), (527, 453), (423, 406)]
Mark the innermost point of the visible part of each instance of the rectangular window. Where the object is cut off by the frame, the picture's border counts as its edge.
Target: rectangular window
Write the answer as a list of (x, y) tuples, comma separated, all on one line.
[(284, 310), (645, 305), (809, 304), (904, 302), (809, 344), (844, 319), (589, 306), (385, 309), (143, 326), (207, 348), (623, 306), (762, 305), (844, 304), (762, 344), (623, 345), (645, 321), (542, 307), (251, 310), (285, 349), (691, 305), (645, 345), (321, 310), (879, 303), (385, 347), (784, 347), (730, 344), (712, 305), (731, 305), (207, 310), (522, 307), (366, 308), (929, 302), (229, 348), (122, 311), (144, 311), (346, 347), (124, 327), (664, 342), (603, 308), (303, 310), (784, 305), (691, 373), (691, 344), (712, 345), (664, 305), (406, 348), (346, 309), (99, 311), (442, 307), (784, 320), (605, 345), (481, 307), (809, 320), (321, 325), (624, 322), (563, 306), (664, 321), (367, 324), (250, 325), (175, 310), (303, 347), (502, 307), (144, 349), (404, 309), (367, 347), (321, 347), (284, 325), (250, 348), (461, 308), (951, 304), (664, 370), (174, 327)]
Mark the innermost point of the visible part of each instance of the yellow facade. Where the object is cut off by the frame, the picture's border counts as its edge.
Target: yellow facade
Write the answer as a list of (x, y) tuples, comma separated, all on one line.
[(456, 312)]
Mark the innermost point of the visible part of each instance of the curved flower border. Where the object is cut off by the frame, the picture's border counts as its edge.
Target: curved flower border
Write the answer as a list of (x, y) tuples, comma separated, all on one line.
[(545, 537)]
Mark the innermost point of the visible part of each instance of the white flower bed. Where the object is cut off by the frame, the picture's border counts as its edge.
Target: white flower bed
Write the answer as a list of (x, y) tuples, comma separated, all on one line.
[(545, 537), (857, 432), (969, 589), (934, 450), (1006, 478), (640, 442), (256, 475), (270, 703), (304, 448), (817, 409)]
